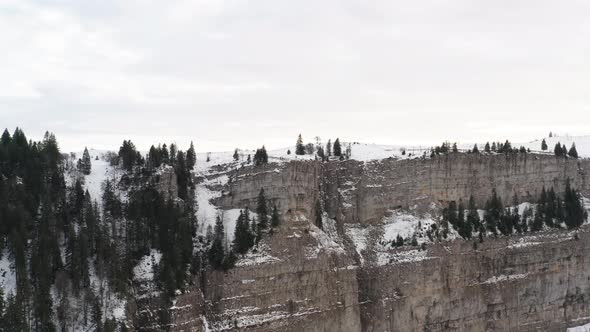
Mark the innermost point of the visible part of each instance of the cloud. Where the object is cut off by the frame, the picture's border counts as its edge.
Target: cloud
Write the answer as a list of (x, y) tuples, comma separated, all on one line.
[(265, 70)]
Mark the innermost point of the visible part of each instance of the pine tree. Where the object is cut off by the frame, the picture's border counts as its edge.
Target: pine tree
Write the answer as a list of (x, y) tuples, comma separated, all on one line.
[(236, 155), (573, 152), (455, 149), (274, 219), (329, 148), (173, 153), (493, 213), (575, 215), (191, 157), (487, 148), (473, 215), (242, 235), (216, 252), (299, 147), (464, 228), (165, 154), (85, 164), (544, 146), (475, 149), (494, 147), (262, 211), (557, 150), (319, 215), (337, 148)]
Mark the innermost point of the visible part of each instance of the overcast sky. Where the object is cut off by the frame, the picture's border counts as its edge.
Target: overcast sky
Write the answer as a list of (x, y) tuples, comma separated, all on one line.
[(246, 73)]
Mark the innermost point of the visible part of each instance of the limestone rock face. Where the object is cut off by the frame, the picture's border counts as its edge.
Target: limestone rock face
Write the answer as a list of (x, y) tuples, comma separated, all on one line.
[(363, 192), (307, 279)]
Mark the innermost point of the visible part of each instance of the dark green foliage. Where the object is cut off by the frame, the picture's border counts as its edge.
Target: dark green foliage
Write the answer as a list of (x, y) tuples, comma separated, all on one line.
[(243, 237), (262, 211), (329, 148), (544, 146), (191, 157), (299, 147), (274, 219), (573, 152), (463, 227), (236, 155), (216, 251), (129, 155), (493, 212), (85, 164), (487, 148), (337, 148), (473, 216), (260, 157), (574, 213), (558, 150), (319, 215), (475, 149)]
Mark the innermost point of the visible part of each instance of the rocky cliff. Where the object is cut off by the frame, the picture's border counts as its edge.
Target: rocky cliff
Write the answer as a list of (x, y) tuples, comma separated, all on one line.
[(306, 279)]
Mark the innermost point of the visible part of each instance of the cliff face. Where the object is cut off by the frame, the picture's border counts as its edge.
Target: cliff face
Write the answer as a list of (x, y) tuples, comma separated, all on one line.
[(306, 279), (364, 192), (531, 283)]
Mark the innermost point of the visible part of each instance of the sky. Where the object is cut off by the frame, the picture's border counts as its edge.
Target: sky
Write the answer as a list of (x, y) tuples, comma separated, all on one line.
[(236, 73)]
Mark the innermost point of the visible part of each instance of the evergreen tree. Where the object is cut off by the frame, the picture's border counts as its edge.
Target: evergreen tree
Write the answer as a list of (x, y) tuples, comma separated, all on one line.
[(494, 147), (455, 149), (242, 236), (575, 215), (262, 211), (299, 147), (216, 252), (85, 164), (558, 150), (493, 213), (6, 139), (274, 219), (487, 148), (573, 152), (475, 149), (261, 157), (337, 148), (473, 215), (173, 153), (319, 215), (464, 228), (165, 155), (191, 157), (537, 224), (236, 155), (329, 148), (544, 146)]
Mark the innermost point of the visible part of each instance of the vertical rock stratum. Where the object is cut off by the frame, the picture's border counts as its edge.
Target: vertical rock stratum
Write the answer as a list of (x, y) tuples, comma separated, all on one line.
[(342, 278)]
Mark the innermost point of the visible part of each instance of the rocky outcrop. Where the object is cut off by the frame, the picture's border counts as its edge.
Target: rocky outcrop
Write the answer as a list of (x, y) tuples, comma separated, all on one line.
[(362, 193), (306, 279), (529, 283)]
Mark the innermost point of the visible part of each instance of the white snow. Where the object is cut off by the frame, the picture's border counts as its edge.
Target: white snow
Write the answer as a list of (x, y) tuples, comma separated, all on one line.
[(581, 328), (144, 270), (503, 278), (582, 144), (7, 275)]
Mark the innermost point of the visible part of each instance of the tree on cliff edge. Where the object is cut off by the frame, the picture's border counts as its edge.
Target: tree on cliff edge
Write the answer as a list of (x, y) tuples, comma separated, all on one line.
[(299, 147), (337, 148), (544, 146), (191, 157), (573, 152)]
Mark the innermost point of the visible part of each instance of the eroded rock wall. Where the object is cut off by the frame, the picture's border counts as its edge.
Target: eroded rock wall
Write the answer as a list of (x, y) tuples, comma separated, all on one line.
[(305, 282), (363, 192), (530, 283)]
